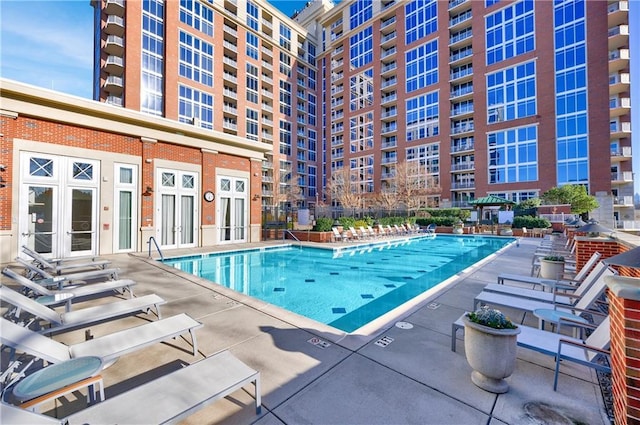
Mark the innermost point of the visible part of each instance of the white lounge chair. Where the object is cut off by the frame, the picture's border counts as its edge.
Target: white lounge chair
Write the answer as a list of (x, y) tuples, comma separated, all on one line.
[(578, 305), (431, 229), (560, 346), (557, 295), (337, 236), (47, 279), (577, 279), (167, 399), (354, 233), (84, 316), (67, 296), (108, 347), (58, 266)]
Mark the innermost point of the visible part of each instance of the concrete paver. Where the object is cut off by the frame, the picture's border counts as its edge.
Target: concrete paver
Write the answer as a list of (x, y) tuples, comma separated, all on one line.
[(414, 379)]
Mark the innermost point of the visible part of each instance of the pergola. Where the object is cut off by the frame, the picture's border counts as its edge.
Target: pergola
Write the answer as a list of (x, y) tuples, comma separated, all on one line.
[(490, 201)]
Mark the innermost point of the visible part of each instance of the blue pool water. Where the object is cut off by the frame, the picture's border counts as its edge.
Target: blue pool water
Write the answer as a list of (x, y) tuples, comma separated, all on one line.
[(345, 289)]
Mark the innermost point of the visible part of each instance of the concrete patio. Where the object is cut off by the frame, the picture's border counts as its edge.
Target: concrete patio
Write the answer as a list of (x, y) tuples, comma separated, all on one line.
[(388, 375)]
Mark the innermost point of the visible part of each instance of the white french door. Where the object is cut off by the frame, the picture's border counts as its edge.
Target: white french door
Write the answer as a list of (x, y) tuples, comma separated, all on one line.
[(177, 211), (58, 205), (232, 209)]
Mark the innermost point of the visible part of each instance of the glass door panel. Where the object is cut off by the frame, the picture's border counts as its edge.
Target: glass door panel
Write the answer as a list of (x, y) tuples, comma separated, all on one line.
[(41, 222), (168, 221), (186, 220), (225, 224), (125, 220), (239, 219), (81, 231)]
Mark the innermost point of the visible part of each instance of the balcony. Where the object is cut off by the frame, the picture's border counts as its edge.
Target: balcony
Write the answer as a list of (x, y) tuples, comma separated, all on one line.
[(618, 60), (230, 109), (618, 12), (461, 38), (336, 64), (267, 122), (460, 110), (114, 25), (230, 93), (231, 31), (462, 185), (458, 56), (458, 21), (230, 78), (389, 98), (456, 6), (463, 166), (466, 146), (462, 74), (114, 65), (389, 114), (623, 201), (390, 67), (462, 127), (618, 36), (389, 143), (619, 106), (113, 85), (389, 82), (229, 125), (114, 100), (389, 128), (114, 45), (461, 91), (622, 177), (620, 129), (114, 7), (388, 52), (619, 82), (231, 62), (621, 154), (267, 93), (388, 39), (230, 46), (387, 22), (389, 160)]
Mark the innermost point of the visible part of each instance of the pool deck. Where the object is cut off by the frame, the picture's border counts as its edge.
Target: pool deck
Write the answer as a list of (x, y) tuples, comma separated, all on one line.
[(384, 374)]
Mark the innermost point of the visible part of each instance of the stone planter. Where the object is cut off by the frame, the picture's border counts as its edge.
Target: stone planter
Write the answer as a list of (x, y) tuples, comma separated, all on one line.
[(551, 269), (491, 353), (506, 232), (457, 230)]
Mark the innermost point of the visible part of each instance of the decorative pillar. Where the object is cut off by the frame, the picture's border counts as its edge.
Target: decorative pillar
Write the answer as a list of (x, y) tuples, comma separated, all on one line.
[(624, 311)]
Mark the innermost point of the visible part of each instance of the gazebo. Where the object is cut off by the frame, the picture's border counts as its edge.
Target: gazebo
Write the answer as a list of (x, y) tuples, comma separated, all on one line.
[(490, 201)]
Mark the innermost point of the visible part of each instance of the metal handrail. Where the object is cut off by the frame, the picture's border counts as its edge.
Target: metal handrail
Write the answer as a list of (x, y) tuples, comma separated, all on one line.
[(284, 234), (153, 239)]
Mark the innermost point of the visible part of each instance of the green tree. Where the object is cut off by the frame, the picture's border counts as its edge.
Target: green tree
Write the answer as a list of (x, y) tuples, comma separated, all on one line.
[(575, 195)]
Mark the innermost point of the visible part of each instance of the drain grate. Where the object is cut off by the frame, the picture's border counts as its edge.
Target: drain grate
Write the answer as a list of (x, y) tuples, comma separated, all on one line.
[(320, 343), (384, 341)]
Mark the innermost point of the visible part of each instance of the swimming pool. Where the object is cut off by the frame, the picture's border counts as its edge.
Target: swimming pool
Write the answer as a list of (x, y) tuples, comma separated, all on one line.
[(345, 288)]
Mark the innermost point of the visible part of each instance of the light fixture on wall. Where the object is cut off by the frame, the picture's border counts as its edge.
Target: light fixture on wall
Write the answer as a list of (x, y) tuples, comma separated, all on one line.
[(148, 191), (256, 197)]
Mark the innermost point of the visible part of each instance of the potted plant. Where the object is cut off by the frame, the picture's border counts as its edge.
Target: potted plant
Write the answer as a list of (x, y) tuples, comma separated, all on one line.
[(551, 266), (490, 341), (458, 227)]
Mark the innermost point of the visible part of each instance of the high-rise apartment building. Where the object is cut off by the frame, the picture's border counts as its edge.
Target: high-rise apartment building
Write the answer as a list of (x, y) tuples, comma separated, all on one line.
[(484, 97)]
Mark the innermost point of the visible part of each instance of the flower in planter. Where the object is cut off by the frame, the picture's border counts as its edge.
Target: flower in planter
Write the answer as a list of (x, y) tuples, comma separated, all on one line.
[(491, 317)]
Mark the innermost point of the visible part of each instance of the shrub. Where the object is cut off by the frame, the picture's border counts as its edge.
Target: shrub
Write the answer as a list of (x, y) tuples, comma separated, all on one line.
[(530, 222), (490, 317), (323, 224)]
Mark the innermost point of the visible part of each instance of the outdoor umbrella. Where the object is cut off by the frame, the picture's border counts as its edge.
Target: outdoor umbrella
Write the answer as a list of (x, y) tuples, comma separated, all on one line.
[(593, 227)]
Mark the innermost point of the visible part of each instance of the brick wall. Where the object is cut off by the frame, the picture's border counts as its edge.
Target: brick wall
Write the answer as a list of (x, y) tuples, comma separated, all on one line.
[(625, 354), (586, 246)]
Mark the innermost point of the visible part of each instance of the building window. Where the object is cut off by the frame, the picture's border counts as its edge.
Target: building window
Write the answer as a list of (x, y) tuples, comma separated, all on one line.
[(195, 107), (252, 83), (285, 98), (511, 93), (361, 90), (196, 59), (422, 66), (422, 116), (285, 36), (285, 138), (253, 14), (513, 155), (572, 133), (360, 12), (427, 159), (361, 50), (151, 84), (361, 130), (197, 15), (361, 174), (252, 124), (252, 45), (510, 31), (421, 19)]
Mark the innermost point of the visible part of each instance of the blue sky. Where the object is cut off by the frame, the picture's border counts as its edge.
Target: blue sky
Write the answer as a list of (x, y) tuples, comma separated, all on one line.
[(49, 44)]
